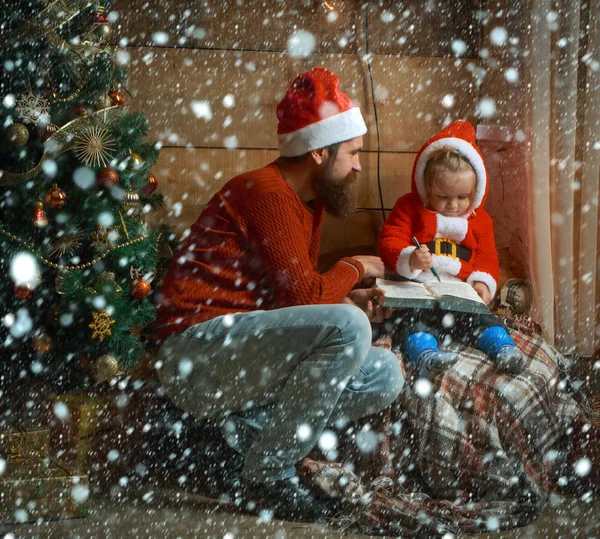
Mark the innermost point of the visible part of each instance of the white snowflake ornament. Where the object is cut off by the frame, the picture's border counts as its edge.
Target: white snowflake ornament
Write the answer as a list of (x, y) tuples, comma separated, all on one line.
[(32, 107)]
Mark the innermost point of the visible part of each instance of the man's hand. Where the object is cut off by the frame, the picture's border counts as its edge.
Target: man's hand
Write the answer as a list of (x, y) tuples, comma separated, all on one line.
[(421, 259), (373, 265), (369, 300), (483, 291)]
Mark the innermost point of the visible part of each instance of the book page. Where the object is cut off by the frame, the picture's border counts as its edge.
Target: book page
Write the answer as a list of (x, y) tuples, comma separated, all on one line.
[(455, 289), (403, 289)]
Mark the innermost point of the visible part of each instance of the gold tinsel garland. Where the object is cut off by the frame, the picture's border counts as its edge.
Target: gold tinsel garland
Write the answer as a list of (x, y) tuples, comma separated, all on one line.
[(85, 78), (87, 265)]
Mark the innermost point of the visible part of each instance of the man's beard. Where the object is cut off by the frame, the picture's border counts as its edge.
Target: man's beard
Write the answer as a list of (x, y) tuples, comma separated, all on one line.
[(336, 194)]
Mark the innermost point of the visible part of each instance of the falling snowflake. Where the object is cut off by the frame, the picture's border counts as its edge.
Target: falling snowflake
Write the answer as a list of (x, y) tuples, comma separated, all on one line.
[(31, 107), (94, 146)]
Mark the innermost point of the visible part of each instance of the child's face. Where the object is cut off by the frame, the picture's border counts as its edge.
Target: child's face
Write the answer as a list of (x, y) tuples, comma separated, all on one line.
[(454, 192)]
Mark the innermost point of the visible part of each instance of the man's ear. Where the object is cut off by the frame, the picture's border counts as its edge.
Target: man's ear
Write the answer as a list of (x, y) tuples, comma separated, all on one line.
[(319, 155)]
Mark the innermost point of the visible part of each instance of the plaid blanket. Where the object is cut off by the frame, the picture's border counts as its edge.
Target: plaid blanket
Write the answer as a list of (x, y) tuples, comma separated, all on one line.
[(476, 450)]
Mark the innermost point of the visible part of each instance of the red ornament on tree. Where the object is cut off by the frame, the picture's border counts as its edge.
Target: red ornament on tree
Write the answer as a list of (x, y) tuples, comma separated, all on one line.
[(39, 216), (140, 289), (151, 186), (99, 18), (107, 177), (56, 197), (22, 291), (79, 110), (116, 98), (52, 94)]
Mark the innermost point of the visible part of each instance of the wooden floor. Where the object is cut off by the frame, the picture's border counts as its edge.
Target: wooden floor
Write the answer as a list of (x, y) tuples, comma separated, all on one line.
[(172, 513), (161, 512)]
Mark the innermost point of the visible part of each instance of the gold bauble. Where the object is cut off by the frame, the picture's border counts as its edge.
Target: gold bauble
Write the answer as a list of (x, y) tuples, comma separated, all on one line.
[(136, 160), (107, 368), (42, 343), (17, 134), (104, 29)]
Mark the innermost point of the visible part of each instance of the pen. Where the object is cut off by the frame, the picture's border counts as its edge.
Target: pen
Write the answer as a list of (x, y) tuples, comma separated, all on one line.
[(433, 270)]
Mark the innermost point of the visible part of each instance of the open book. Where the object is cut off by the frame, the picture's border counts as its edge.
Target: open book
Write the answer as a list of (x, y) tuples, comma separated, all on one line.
[(449, 296)]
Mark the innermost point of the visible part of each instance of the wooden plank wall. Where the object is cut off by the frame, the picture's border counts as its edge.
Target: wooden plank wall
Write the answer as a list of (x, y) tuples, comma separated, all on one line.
[(208, 75)]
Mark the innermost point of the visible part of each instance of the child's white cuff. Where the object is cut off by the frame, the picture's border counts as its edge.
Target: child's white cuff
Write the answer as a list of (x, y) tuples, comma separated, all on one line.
[(485, 278), (403, 265)]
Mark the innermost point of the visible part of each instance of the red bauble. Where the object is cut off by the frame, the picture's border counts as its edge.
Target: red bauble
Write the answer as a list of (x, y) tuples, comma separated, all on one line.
[(22, 291), (116, 98), (79, 110), (140, 289), (151, 186), (99, 18), (107, 177), (56, 197)]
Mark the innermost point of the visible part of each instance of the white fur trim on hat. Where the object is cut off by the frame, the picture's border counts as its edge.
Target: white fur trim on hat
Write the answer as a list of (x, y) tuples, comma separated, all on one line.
[(468, 151), (452, 228), (338, 128), (403, 265), (485, 278)]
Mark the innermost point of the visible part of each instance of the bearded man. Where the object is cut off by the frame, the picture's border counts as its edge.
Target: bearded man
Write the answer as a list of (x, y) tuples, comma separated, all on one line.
[(252, 335)]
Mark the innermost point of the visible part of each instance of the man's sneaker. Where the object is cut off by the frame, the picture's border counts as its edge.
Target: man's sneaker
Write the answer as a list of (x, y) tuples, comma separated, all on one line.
[(291, 499), (509, 359)]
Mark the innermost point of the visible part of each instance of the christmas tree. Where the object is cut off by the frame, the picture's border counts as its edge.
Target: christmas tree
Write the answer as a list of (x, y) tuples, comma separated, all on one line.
[(79, 259)]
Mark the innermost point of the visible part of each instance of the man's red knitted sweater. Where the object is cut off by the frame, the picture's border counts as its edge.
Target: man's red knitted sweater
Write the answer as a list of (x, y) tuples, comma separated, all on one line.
[(255, 246)]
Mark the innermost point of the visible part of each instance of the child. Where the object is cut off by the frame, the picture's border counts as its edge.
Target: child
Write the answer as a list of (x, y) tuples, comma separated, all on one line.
[(444, 212)]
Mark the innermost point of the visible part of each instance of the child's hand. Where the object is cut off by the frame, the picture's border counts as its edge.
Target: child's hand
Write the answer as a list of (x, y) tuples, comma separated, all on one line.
[(421, 259), (483, 291)]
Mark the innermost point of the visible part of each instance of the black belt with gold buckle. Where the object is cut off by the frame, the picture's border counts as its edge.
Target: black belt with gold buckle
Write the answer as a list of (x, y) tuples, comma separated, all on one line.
[(446, 247)]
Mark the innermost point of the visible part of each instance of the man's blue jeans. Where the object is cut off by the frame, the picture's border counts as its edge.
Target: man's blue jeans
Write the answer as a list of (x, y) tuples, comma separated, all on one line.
[(284, 374)]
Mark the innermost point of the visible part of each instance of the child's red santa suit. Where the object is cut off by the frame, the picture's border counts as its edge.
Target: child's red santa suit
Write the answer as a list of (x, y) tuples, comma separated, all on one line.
[(473, 231)]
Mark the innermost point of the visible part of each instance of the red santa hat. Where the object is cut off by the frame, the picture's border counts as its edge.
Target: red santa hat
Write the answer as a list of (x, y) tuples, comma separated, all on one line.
[(460, 135), (314, 113)]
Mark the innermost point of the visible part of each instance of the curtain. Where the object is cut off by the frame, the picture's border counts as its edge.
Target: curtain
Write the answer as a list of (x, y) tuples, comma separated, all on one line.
[(563, 170)]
